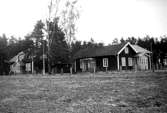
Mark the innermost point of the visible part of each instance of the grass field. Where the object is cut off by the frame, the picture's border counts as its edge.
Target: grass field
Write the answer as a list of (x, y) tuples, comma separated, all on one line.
[(142, 92)]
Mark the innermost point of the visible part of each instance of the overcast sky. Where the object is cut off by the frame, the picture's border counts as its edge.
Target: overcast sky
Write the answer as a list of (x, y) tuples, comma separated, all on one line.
[(103, 20)]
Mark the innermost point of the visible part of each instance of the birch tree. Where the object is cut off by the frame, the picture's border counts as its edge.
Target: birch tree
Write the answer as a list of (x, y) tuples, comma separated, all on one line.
[(69, 17)]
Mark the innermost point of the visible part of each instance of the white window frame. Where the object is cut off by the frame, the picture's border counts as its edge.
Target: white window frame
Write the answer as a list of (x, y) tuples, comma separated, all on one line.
[(123, 61), (105, 62), (146, 61), (81, 64), (130, 62), (28, 66), (126, 50)]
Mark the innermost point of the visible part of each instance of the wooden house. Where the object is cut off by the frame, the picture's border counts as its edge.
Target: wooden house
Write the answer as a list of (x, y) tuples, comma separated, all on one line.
[(16, 64), (115, 57)]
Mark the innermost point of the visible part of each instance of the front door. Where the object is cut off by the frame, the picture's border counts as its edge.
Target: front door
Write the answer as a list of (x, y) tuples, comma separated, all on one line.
[(88, 64)]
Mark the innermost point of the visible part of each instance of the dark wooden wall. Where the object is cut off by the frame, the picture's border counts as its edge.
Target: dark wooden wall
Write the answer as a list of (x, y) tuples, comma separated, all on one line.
[(123, 54), (112, 63)]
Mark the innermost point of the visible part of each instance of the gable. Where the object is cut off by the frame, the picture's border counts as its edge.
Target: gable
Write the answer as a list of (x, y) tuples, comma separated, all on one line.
[(18, 57), (127, 51), (127, 45)]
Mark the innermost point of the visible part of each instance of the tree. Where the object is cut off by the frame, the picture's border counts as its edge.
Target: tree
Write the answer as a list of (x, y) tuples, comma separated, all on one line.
[(35, 51), (3, 55), (68, 20), (59, 51), (146, 42), (37, 33), (132, 40), (150, 43), (4, 41), (67, 16), (163, 48), (115, 41), (122, 40), (12, 48), (163, 44), (12, 40)]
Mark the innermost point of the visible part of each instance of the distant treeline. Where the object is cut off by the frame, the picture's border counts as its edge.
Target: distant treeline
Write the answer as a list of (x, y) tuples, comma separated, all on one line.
[(62, 52)]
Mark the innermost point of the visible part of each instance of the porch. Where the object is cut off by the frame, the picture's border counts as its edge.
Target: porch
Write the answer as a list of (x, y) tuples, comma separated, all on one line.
[(88, 64)]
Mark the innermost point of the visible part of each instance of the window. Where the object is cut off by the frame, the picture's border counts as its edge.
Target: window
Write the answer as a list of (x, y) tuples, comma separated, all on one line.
[(81, 64), (130, 61), (28, 66), (105, 62), (146, 61), (123, 61), (142, 61), (126, 50)]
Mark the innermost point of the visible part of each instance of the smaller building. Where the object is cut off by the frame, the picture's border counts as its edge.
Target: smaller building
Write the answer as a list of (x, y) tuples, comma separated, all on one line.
[(143, 58), (115, 57), (16, 64)]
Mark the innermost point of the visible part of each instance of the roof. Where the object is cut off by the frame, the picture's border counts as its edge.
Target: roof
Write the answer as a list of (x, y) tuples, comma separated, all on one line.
[(99, 51), (108, 50), (15, 58), (139, 49)]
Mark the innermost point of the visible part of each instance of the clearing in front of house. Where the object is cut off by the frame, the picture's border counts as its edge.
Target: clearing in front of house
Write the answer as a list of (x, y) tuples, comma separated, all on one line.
[(85, 93)]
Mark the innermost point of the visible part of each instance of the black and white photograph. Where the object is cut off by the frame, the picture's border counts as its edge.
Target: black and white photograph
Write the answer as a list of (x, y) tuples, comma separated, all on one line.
[(83, 56)]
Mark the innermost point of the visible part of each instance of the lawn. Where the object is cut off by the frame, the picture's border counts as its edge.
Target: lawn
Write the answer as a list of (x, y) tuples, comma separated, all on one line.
[(141, 92)]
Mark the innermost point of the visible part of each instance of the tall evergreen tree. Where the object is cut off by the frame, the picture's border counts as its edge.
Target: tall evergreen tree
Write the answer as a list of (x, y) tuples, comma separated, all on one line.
[(3, 55), (59, 51)]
